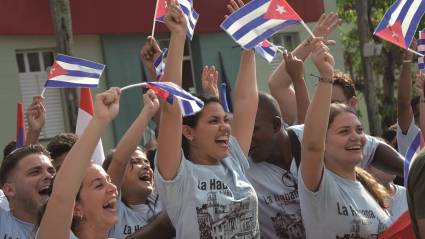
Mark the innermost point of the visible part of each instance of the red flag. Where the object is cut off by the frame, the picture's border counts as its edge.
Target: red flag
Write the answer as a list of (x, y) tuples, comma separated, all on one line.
[(281, 10), (393, 34), (400, 229), (161, 10), (20, 126)]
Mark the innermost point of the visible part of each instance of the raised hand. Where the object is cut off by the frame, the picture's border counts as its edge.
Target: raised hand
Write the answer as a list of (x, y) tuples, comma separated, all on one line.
[(36, 114), (209, 81), (106, 106), (151, 103), (420, 83), (323, 60), (325, 25), (408, 55), (150, 51), (174, 19), (294, 66), (234, 6)]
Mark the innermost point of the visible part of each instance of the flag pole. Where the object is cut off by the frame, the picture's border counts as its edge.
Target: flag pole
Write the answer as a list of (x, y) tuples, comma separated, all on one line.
[(42, 92), (154, 20), (307, 28), (415, 52), (132, 86)]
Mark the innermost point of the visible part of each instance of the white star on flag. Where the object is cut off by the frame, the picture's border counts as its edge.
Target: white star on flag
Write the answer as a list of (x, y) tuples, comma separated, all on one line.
[(280, 9)]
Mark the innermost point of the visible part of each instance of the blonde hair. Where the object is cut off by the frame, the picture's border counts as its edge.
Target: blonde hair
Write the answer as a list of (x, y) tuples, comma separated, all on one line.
[(377, 190)]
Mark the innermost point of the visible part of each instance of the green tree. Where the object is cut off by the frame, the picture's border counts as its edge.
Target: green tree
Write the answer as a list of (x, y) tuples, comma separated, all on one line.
[(385, 65)]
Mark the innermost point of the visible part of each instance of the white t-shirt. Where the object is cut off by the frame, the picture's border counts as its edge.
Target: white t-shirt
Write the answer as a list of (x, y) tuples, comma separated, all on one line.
[(398, 202), (134, 218), (368, 149), (4, 203), (211, 201), (340, 208), (405, 140), (279, 212), (11, 227)]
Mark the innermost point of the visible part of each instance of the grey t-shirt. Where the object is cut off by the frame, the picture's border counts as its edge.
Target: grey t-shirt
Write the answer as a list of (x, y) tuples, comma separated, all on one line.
[(279, 212), (368, 149), (4, 203), (134, 218), (211, 201), (405, 140), (11, 227), (398, 202), (340, 208)]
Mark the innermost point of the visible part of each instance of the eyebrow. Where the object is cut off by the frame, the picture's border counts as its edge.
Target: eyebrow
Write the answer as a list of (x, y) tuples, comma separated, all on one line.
[(33, 168), (95, 180)]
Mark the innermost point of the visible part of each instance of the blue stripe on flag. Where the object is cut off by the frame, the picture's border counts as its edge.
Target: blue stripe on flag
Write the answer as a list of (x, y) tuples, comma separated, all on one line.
[(404, 10), (63, 84), (249, 27), (223, 97), (409, 155), (82, 74), (251, 6), (410, 33), (386, 19), (79, 61), (268, 34), (421, 41)]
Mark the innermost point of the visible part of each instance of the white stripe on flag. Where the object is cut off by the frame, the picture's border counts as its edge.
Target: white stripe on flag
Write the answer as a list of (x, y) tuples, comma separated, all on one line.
[(396, 12), (241, 22), (73, 67), (76, 80), (83, 120), (251, 35), (409, 16)]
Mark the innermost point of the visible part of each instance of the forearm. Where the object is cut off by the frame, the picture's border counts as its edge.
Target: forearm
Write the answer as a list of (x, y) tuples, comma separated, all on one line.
[(303, 50), (126, 147), (173, 68), (404, 110), (32, 136), (303, 99), (160, 227)]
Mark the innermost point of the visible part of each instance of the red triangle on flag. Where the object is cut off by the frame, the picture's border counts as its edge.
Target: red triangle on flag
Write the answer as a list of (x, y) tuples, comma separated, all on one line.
[(86, 100), (393, 34), (56, 70), (281, 10), (161, 8), (400, 229)]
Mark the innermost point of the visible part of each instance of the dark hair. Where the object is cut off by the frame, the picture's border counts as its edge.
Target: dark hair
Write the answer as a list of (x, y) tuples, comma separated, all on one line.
[(338, 108), (61, 143), (414, 102), (9, 148), (11, 161), (108, 159), (346, 83), (389, 136), (192, 121)]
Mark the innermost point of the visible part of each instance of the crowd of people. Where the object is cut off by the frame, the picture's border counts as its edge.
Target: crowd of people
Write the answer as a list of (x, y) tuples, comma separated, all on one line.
[(281, 165)]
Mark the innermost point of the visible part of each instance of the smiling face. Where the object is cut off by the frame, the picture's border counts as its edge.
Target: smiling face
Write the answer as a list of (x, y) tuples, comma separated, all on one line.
[(31, 181), (97, 202), (345, 140), (138, 180), (209, 139)]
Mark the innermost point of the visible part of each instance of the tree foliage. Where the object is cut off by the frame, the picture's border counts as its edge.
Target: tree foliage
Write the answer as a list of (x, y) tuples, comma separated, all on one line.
[(385, 66)]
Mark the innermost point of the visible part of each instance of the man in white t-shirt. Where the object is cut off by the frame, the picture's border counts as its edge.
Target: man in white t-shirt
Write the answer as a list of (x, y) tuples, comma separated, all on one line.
[(25, 178)]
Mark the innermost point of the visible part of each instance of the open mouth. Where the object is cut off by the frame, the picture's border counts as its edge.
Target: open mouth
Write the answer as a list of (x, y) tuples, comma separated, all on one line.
[(45, 190), (145, 177), (222, 141), (111, 204), (354, 148)]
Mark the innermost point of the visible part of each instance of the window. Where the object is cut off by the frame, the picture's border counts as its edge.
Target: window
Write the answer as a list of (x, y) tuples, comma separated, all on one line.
[(288, 40), (188, 72), (32, 67)]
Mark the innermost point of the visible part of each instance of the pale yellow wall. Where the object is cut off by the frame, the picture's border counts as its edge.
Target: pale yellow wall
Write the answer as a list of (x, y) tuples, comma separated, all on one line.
[(88, 47)]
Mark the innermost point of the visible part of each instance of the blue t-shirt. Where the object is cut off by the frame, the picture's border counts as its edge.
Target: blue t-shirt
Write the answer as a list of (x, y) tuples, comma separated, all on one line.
[(135, 217), (13, 228), (211, 201)]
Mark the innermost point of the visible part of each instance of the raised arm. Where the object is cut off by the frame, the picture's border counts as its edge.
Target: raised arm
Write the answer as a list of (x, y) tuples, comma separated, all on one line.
[(316, 122), (159, 227), (148, 54), (170, 126), (36, 115), (209, 81), (56, 222), (404, 94), (295, 69), (421, 90), (131, 139)]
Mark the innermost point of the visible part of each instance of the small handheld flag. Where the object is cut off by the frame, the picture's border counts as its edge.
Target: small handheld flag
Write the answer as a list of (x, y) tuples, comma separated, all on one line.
[(189, 13), (415, 146), (259, 20), (400, 22), (189, 104), (267, 50), (421, 49), (20, 126), (223, 97), (85, 114), (159, 64), (69, 71)]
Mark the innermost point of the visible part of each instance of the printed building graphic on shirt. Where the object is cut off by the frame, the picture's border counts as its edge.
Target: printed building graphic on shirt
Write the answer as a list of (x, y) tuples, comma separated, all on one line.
[(288, 225), (234, 220), (356, 225)]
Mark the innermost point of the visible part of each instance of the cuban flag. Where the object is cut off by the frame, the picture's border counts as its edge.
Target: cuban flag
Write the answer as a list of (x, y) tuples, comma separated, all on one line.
[(267, 50), (259, 20), (85, 114), (68, 71), (189, 104), (400, 229), (189, 13), (159, 64), (400, 22), (223, 97), (416, 145), (421, 49), (20, 126)]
